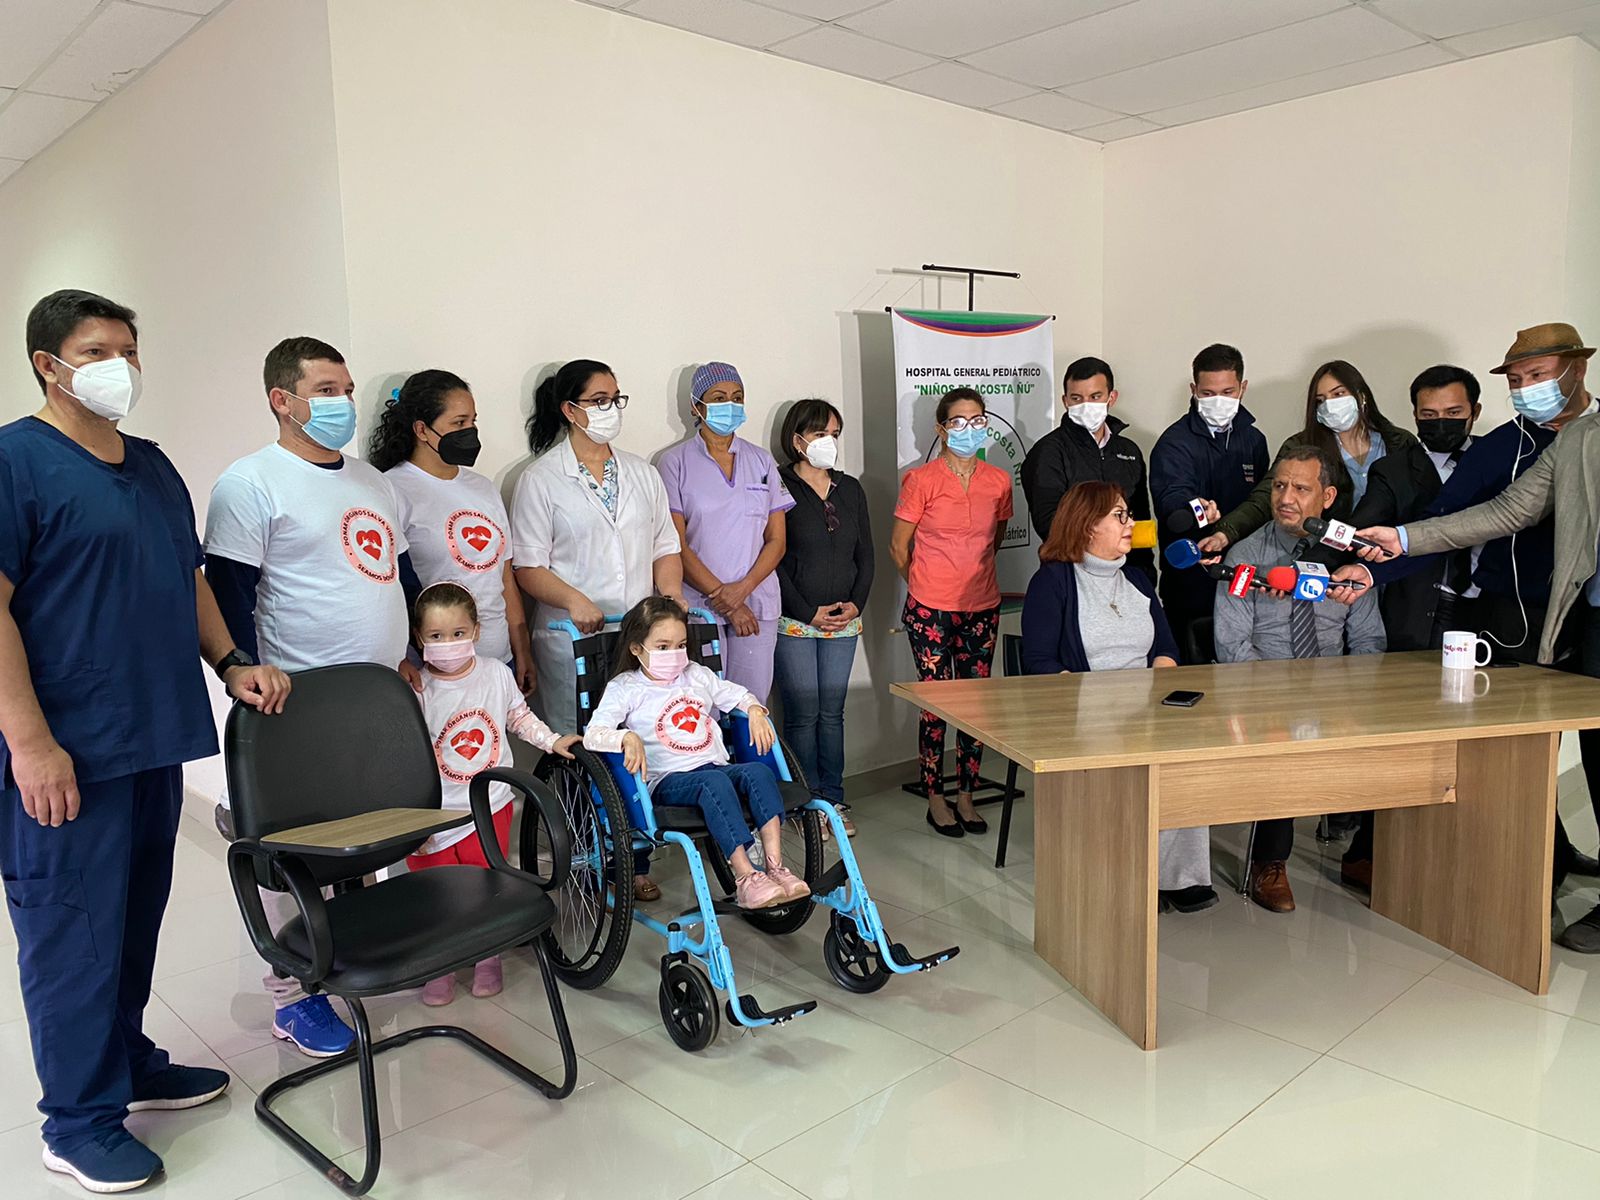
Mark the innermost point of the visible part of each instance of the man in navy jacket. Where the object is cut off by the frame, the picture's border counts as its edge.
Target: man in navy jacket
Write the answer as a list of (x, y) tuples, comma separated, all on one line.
[(1214, 452)]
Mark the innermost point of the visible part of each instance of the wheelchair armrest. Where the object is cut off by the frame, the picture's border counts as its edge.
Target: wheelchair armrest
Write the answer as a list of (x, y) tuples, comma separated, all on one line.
[(243, 855), (537, 794), (366, 833)]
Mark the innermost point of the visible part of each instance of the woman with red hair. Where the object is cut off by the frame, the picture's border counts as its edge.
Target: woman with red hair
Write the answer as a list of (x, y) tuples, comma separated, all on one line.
[(1086, 612)]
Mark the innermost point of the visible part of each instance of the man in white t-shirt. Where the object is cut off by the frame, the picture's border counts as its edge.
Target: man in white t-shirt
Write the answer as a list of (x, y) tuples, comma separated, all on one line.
[(305, 551)]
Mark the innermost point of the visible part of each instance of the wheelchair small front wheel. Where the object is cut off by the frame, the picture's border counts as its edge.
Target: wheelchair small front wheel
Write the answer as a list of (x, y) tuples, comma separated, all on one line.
[(688, 1007), (853, 961)]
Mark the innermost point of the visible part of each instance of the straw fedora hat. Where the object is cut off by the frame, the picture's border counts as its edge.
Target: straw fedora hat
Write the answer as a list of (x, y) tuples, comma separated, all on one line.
[(1555, 338)]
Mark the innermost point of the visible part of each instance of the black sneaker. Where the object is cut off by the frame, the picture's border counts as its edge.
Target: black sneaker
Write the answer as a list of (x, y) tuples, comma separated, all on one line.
[(1188, 900), (115, 1161), (1582, 936)]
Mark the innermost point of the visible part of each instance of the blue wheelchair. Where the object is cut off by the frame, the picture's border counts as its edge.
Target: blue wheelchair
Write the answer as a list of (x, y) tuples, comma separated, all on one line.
[(610, 816)]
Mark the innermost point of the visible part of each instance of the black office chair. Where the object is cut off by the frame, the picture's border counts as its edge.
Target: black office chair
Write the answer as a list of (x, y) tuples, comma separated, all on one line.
[(1011, 656), (342, 783)]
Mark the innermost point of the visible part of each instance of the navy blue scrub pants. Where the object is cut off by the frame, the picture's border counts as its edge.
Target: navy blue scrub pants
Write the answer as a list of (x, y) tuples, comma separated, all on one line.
[(87, 898)]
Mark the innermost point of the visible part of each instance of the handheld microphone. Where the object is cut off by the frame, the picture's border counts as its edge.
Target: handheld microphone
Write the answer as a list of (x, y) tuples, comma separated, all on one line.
[(1144, 535), (1240, 580), (1182, 554), (1306, 581), (1340, 536), (1189, 521)]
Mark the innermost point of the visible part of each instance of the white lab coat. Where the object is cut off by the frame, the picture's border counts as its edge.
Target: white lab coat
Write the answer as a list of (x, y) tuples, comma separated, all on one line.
[(558, 522)]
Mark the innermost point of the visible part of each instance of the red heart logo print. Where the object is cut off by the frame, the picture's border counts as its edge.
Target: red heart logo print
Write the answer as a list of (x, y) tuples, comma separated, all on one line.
[(371, 541), (477, 536), (687, 719), (467, 743)]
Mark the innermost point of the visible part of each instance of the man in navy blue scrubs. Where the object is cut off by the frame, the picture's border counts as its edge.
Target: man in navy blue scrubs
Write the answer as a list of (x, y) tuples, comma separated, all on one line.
[(104, 616)]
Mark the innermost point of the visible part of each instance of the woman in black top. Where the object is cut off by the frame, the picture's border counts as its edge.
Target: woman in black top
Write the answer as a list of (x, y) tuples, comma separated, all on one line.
[(824, 577)]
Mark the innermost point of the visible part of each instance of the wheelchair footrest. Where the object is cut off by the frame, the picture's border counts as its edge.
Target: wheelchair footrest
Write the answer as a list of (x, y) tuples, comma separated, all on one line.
[(832, 879), (755, 1013), (904, 958)]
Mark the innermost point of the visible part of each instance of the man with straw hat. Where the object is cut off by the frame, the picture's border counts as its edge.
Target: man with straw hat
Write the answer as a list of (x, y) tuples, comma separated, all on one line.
[(1545, 368)]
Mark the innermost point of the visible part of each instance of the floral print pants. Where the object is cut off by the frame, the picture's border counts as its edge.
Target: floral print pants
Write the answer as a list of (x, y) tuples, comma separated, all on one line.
[(949, 645)]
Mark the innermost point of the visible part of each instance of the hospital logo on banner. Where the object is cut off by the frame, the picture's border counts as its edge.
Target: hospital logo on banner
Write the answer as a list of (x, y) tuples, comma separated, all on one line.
[(475, 541), (368, 542), (469, 742)]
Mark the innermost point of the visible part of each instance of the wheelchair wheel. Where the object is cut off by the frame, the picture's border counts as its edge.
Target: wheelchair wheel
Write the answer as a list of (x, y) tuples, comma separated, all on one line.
[(688, 1007), (853, 961), (595, 906), (802, 845)]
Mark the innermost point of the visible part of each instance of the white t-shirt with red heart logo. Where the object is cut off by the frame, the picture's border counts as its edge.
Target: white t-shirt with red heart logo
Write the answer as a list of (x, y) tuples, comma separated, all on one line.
[(677, 721), (328, 544), (457, 532), (468, 719)]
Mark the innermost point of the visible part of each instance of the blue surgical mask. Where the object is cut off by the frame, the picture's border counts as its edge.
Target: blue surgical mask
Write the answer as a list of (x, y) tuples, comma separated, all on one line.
[(964, 443), (332, 423), (1541, 402), (723, 417)]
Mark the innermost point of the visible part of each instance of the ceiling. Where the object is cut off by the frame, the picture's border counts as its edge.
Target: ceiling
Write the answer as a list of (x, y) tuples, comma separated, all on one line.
[(1101, 69), (1110, 69), (59, 58)]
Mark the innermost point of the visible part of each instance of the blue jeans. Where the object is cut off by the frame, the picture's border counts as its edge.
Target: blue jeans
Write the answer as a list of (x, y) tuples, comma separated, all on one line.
[(87, 899), (813, 677), (716, 792)]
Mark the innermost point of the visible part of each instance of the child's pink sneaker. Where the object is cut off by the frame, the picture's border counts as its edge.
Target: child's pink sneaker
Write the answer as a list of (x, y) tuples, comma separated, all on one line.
[(436, 993), (759, 890), (487, 978), (794, 888)]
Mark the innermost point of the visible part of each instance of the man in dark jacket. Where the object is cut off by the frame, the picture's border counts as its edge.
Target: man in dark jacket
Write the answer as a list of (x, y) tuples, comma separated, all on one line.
[(1088, 444), (1419, 608), (1213, 453)]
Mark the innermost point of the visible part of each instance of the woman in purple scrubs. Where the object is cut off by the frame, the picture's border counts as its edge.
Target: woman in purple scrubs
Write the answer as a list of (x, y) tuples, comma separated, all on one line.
[(728, 502)]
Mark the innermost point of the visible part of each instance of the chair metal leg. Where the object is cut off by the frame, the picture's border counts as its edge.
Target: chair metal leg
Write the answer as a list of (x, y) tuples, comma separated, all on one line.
[(1244, 867), (1005, 816), (366, 1050)]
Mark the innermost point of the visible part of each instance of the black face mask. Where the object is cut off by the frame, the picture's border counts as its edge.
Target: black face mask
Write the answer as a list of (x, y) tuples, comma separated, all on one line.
[(460, 447), (1443, 435)]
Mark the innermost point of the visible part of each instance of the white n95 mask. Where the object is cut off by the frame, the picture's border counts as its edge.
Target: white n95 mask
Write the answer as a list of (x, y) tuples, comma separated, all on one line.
[(108, 388)]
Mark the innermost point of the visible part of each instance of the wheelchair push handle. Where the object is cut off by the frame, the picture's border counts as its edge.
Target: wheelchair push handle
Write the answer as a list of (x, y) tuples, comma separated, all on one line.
[(703, 615)]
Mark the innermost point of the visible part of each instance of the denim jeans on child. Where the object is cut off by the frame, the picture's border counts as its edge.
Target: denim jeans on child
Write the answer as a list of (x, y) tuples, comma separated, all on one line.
[(716, 792)]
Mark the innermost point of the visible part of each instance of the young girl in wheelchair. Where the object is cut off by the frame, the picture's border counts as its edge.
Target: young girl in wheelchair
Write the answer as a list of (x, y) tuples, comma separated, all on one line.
[(661, 712), (470, 705)]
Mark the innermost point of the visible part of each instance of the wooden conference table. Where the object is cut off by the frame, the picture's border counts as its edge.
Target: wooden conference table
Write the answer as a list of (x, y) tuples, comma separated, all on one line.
[(1462, 765)]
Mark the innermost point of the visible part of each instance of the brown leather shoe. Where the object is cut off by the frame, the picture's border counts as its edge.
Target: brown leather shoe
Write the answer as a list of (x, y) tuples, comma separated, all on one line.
[(1356, 873), (1269, 886)]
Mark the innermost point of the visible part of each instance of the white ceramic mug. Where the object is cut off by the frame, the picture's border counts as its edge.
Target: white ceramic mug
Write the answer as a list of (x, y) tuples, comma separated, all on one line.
[(1461, 651)]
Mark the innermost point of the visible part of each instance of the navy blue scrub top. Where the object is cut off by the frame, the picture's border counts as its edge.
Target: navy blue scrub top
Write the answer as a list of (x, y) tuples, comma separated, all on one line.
[(102, 559)]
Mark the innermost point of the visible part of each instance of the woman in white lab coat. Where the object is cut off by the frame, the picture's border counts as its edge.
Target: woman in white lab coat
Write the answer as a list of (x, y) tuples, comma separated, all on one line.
[(590, 530)]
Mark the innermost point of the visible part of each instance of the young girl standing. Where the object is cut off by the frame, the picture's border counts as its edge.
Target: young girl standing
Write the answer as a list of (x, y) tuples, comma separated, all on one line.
[(470, 704), (661, 713)]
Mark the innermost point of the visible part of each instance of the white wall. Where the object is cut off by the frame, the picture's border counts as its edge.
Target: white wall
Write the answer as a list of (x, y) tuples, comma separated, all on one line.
[(206, 197), (528, 181), (1397, 224)]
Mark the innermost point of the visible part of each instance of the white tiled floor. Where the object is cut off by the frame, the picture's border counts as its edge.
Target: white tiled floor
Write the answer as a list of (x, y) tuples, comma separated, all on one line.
[(1328, 1053)]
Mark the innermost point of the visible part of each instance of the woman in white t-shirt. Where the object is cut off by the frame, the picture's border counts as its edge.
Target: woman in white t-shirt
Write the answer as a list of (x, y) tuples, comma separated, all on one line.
[(661, 713), (471, 705), (425, 443)]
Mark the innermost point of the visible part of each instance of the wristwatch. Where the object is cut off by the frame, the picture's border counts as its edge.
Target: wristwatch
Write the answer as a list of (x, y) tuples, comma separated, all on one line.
[(234, 658)]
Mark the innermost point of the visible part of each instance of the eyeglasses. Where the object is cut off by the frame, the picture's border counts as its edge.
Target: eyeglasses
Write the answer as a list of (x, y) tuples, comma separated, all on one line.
[(830, 517), (957, 424), (604, 403), (1123, 516)]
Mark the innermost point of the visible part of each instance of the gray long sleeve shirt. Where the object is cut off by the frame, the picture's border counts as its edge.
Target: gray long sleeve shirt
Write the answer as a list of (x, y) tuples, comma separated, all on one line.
[(1256, 626)]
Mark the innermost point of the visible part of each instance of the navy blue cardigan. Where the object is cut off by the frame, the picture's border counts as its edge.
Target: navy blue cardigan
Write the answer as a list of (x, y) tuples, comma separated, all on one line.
[(1051, 642)]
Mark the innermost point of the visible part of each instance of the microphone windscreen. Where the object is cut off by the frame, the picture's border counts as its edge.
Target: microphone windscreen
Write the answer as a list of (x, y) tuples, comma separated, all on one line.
[(1183, 554), (1282, 579), (1181, 522), (1316, 526), (1144, 535)]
